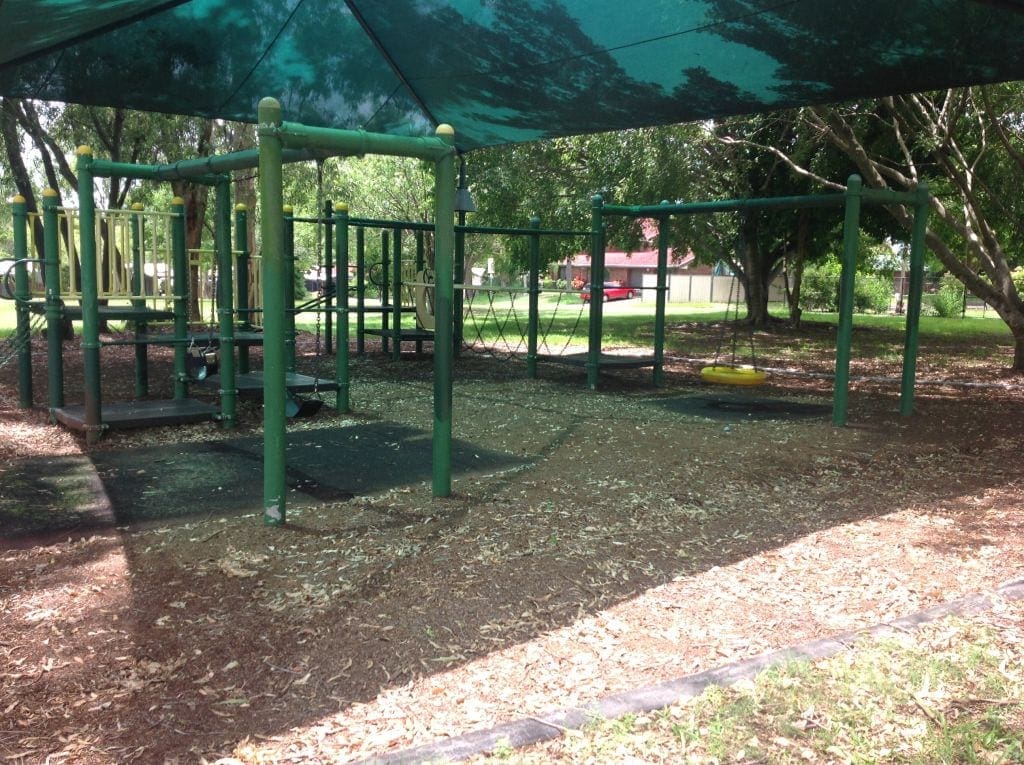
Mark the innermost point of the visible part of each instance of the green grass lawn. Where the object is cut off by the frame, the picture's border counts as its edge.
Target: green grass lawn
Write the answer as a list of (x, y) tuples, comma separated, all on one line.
[(950, 692)]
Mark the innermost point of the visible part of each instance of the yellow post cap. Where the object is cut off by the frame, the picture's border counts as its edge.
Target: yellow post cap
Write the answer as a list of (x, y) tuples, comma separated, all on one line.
[(445, 129), (138, 206), (84, 151), (288, 209), (340, 207), (18, 199), (240, 207), (49, 192), (177, 201)]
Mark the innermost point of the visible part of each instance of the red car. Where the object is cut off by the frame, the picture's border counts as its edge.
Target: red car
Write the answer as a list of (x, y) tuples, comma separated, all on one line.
[(612, 291)]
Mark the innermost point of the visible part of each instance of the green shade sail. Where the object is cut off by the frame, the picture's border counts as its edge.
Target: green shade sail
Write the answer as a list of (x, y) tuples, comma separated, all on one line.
[(500, 71)]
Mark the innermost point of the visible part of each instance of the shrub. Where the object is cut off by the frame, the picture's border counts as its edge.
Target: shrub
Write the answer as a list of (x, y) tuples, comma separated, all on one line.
[(948, 302), (819, 290), (872, 293)]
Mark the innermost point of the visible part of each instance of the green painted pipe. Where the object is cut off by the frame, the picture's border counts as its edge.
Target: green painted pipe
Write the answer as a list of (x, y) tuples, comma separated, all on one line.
[(360, 289), (385, 288), (459, 269), (917, 246), (179, 264), (851, 241), (243, 304), (534, 304), (596, 290), (225, 309), (444, 287), (90, 297), (138, 286), (54, 307), (420, 265), (328, 224), (341, 372), (288, 226), (274, 275), (396, 299), (661, 294), (22, 295), (358, 142), (204, 170)]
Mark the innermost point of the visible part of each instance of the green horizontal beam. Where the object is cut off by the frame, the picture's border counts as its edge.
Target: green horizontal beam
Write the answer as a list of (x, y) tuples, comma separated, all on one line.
[(207, 170), (359, 142), (868, 196), (421, 226)]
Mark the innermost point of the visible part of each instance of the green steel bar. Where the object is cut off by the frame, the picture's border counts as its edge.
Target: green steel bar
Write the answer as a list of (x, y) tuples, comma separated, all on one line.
[(179, 257), (22, 294), (138, 285), (596, 291), (533, 319), (54, 306), (225, 298), (727, 205), (341, 372), (205, 170), (385, 288), (360, 289), (917, 245), (659, 301), (288, 226), (410, 225), (851, 240), (90, 297), (358, 142), (459, 269), (444, 280), (243, 304), (328, 307), (420, 264), (274, 275), (396, 291)]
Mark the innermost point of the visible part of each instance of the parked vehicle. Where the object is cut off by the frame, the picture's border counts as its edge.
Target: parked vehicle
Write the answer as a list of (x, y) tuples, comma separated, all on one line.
[(612, 291)]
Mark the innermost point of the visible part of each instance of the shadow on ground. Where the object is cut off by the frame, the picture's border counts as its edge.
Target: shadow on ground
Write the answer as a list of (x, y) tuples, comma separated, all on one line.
[(223, 477)]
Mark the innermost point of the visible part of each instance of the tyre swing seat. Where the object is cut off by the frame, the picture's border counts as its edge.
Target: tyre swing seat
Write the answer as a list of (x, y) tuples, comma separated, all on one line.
[(732, 372)]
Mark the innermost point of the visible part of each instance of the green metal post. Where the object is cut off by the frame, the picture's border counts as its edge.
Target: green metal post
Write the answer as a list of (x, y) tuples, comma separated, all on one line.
[(420, 264), (274, 275), (396, 291), (138, 287), (341, 373), (533, 319), (225, 299), (22, 294), (54, 309), (329, 282), (360, 289), (90, 297), (179, 263), (917, 245), (851, 240), (459, 269), (385, 289), (444, 249), (596, 291), (242, 288), (288, 227), (661, 294)]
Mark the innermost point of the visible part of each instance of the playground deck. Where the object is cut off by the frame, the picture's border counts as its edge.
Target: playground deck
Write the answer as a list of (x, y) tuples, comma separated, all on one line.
[(140, 414)]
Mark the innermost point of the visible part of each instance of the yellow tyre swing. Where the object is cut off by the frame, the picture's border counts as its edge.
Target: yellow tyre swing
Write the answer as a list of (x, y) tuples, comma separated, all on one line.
[(732, 372)]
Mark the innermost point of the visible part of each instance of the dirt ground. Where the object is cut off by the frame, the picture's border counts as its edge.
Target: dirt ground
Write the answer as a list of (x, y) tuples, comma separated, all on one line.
[(594, 542)]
